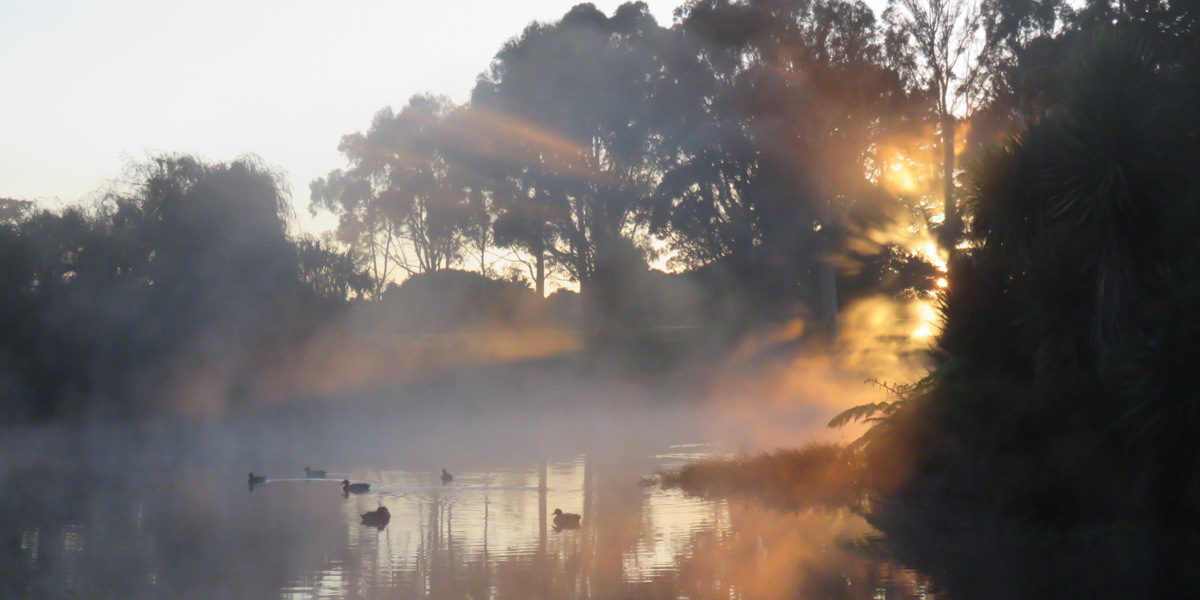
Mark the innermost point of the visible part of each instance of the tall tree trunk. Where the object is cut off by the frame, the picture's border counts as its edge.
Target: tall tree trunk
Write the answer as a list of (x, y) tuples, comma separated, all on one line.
[(952, 224), (540, 251)]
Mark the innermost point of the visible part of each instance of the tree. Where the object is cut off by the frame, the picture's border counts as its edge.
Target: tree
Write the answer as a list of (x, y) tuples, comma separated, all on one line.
[(186, 273), (332, 275), (771, 135), (404, 203), (1068, 210), (939, 46), (1070, 321), (571, 98)]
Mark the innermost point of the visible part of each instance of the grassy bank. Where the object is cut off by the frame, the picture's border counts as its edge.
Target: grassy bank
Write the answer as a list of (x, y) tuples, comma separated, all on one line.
[(819, 475)]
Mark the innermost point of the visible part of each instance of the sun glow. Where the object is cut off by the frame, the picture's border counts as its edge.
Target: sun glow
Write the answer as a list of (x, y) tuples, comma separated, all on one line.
[(900, 178), (930, 252)]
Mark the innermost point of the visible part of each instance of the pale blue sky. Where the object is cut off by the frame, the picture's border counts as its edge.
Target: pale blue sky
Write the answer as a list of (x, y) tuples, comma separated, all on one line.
[(89, 85)]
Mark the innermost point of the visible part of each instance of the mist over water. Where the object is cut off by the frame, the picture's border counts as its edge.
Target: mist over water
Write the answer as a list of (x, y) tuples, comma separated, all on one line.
[(163, 510)]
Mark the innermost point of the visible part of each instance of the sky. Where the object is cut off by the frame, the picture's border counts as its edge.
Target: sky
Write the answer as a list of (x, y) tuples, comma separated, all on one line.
[(91, 86)]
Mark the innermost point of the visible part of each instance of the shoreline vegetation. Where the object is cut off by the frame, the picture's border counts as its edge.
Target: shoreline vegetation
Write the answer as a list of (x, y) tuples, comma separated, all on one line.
[(1062, 393), (817, 475)]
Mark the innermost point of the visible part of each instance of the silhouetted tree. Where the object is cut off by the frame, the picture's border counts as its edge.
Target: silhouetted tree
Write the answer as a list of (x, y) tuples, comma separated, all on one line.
[(941, 48), (771, 136), (332, 275), (1065, 329), (573, 99), (404, 203), (187, 274)]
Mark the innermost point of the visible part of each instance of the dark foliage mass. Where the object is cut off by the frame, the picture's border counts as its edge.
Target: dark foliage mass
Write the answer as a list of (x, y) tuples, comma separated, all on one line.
[(1063, 389), (189, 269)]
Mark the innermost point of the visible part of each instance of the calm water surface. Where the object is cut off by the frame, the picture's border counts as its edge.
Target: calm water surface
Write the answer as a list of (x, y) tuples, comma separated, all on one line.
[(168, 514), (200, 531)]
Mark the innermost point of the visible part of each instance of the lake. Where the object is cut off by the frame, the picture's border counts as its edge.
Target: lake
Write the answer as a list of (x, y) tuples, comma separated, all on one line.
[(166, 512)]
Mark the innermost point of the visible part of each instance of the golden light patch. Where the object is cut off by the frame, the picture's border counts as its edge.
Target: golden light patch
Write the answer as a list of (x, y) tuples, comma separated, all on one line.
[(900, 179)]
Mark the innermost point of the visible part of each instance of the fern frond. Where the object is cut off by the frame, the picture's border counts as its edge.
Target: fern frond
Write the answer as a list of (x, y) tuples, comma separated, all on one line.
[(862, 412)]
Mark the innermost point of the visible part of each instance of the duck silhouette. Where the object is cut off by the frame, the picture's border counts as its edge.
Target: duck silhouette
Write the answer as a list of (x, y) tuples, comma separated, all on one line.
[(446, 477), (256, 479), (354, 488), (311, 474), (377, 518), (564, 520)]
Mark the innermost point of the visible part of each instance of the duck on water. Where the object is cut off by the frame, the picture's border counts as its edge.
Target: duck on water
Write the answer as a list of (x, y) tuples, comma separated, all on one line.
[(354, 488), (564, 520), (446, 477), (313, 474)]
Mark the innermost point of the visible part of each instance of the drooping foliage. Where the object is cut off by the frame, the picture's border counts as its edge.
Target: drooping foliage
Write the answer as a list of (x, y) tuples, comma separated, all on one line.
[(190, 269)]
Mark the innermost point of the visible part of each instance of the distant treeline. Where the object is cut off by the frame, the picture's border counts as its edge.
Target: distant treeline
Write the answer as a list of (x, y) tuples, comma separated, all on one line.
[(190, 268), (783, 156), (1065, 383), (752, 141), (740, 140)]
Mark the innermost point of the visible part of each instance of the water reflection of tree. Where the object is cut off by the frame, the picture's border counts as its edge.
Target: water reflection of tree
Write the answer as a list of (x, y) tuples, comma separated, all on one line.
[(752, 552), (197, 533)]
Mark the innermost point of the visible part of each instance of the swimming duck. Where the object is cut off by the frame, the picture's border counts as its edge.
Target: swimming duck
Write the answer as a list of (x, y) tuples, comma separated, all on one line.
[(257, 479), (446, 477), (564, 520), (311, 474), (354, 488), (377, 518)]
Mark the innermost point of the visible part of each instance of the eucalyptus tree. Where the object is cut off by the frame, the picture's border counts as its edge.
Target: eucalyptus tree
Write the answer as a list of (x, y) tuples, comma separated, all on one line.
[(940, 47), (570, 102), (774, 148), (404, 205)]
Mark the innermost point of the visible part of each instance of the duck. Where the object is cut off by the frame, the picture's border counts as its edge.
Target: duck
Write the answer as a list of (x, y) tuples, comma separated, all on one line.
[(257, 479), (377, 518), (446, 477), (354, 488), (311, 474), (564, 520)]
